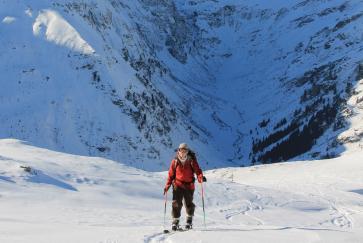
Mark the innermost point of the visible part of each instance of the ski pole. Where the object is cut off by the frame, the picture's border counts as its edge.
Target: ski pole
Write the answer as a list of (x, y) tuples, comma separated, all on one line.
[(166, 199), (201, 185)]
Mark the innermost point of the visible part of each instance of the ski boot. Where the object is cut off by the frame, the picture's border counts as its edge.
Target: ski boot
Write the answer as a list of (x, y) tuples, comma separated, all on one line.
[(175, 225), (189, 224)]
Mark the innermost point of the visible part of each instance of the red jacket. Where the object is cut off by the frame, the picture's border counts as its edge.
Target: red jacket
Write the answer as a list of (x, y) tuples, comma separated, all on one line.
[(183, 175)]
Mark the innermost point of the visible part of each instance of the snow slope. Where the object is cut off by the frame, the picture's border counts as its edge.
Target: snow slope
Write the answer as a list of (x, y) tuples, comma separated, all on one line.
[(70, 198)]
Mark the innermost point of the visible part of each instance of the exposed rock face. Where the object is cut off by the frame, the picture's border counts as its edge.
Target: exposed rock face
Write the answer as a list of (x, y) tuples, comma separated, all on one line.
[(242, 83)]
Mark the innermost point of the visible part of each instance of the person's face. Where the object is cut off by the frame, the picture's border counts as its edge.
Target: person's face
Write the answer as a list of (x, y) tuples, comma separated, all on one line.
[(183, 152)]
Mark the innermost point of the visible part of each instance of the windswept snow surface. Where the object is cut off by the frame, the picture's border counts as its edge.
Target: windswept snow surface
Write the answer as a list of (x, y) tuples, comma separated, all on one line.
[(55, 29), (68, 198)]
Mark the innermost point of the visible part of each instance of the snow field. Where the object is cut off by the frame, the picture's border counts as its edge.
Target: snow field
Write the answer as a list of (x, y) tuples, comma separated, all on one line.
[(69, 198)]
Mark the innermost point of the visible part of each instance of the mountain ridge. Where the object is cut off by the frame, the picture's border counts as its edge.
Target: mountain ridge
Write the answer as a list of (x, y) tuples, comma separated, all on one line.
[(243, 83)]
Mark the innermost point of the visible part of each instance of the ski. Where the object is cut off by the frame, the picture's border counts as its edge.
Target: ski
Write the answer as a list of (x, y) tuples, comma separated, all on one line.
[(166, 231)]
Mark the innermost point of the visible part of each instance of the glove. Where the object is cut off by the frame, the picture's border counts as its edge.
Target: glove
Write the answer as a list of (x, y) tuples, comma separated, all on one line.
[(202, 178), (166, 189)]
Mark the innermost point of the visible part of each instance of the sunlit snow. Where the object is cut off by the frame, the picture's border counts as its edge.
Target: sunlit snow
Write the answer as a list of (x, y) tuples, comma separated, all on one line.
[(8, 20), (54, 28), (69, 198)]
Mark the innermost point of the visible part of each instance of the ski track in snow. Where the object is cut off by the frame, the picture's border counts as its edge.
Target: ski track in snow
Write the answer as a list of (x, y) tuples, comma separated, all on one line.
[(338, 217)]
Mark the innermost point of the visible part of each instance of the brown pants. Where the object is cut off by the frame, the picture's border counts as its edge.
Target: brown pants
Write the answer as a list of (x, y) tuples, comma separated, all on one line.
[(178, 195)]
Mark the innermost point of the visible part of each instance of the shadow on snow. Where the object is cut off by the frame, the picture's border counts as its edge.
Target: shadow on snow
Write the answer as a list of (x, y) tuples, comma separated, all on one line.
[(42, 178)]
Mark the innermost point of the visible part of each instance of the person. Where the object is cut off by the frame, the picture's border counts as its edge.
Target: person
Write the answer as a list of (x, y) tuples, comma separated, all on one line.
[(181, 177)]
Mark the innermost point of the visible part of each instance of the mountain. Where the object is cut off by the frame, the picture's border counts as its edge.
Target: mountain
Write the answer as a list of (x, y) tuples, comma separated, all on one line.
[(243, 82)]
